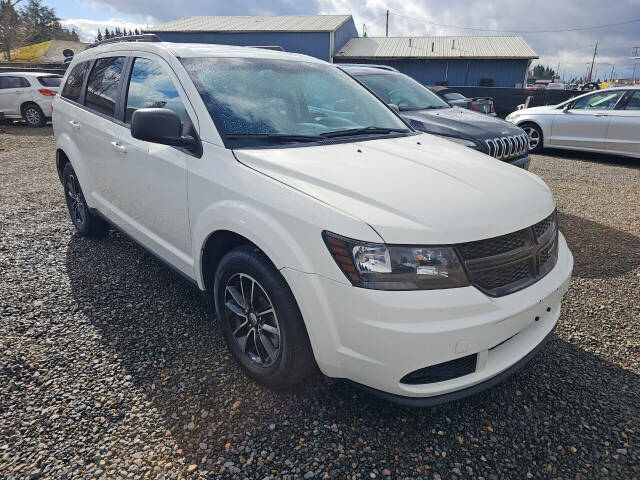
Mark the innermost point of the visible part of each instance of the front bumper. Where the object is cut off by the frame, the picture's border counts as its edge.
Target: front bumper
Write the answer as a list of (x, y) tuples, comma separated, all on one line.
[(375, 338), (522, 162)]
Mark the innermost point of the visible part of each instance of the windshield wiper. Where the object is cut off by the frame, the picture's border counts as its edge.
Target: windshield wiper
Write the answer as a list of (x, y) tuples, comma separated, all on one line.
[(430, 107), (283, 137), (363, 131)]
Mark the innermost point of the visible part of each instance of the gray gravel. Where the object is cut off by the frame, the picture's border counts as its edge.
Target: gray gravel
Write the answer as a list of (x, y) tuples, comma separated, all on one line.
[(110, 366)]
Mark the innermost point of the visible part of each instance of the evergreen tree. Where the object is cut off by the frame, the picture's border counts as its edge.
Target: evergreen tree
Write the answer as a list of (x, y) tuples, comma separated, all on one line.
[(99, 36), (107, 33)]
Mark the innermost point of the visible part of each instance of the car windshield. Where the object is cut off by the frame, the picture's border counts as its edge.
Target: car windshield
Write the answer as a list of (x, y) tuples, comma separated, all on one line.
[(403, 91), (454, 96), (256, 101)]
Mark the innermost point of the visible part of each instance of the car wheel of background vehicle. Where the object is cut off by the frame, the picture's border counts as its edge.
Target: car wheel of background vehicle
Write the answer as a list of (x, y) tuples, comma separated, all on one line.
[(260, 319), (534, 133), (33, 115), (86, 223)]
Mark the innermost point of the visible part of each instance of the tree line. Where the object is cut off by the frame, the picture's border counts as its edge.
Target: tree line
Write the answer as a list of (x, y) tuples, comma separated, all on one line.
[(28, 23), (116, 32)]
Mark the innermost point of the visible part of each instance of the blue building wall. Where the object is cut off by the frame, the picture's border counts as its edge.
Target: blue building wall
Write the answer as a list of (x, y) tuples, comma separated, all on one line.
[(343, 33), (315, 44), (505, 73)]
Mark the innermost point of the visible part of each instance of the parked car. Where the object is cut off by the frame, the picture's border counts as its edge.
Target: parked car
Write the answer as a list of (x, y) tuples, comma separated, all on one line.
[(456, 99), (427, 112), (321, 227), (590, 86), (606, 121), (28, 95), (556, 86)]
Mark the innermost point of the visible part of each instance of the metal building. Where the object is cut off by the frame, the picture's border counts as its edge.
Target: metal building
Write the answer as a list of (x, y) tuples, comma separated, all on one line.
[(471, 61), (317, 35), (457, 61)]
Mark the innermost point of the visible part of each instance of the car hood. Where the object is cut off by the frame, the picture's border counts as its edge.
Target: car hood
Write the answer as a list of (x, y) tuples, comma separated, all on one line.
[(544, 108), (419, 189), (460, 122)]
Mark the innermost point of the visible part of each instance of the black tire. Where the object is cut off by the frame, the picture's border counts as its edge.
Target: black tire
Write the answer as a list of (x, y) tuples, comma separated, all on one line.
[(33, 115), (293, 360), (534, 132), (87, 223)]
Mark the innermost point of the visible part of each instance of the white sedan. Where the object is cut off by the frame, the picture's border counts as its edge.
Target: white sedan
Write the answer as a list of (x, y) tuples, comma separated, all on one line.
[(605, 121)]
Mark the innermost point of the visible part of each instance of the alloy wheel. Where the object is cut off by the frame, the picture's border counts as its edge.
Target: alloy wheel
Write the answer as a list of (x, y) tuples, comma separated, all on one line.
[(253, 319), (534, 137), (32, 116), (77, 206)]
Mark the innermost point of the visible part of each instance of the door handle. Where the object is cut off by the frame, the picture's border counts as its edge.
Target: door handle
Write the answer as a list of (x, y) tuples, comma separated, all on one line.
[(74, 124), (602, 114), (118, 148), (19, 91)]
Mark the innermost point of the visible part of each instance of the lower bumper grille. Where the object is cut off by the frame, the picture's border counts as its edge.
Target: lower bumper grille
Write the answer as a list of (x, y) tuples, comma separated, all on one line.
[(442, 371)]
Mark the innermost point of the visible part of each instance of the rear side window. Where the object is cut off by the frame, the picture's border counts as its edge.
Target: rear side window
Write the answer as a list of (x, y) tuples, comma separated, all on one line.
[(50, 81), (151, 87), (73, 88), (103, 84), (13, 82), (634, 101)]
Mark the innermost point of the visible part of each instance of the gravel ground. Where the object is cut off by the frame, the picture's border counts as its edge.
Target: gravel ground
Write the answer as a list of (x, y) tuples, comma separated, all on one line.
[(110, 366)]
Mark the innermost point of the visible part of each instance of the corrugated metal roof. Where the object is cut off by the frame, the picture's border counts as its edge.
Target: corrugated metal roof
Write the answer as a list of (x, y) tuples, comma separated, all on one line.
[(282, 23), (437, 47)]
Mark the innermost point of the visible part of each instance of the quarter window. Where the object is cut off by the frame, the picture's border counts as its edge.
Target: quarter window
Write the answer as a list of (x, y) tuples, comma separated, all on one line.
[(598, 101), (73, 87), (151, 87), (103, 83)]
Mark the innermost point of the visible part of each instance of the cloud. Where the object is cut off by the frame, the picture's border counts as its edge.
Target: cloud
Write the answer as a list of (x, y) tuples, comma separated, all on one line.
[(572, 49), (88, 29)]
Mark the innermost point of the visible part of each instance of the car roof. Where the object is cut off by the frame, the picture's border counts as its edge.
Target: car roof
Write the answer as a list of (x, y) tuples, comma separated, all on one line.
[(187, 50)]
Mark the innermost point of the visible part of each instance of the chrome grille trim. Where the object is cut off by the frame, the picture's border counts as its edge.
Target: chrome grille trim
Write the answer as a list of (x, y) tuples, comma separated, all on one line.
[(508, 147)]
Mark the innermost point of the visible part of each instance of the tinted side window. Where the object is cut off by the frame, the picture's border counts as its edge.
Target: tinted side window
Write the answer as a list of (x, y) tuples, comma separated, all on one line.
[(634, 101), (102, 86), (151, 87), (605, 100), (73, 87), (13, 82)]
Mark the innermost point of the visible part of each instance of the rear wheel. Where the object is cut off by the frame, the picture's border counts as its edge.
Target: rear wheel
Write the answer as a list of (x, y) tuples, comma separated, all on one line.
[(534, 133), (33, 115), (260, 319), (87, 223)]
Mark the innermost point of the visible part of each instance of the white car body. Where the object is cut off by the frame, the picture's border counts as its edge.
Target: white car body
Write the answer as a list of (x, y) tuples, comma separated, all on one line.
[(417, 189), (14, 98), (614, 129)]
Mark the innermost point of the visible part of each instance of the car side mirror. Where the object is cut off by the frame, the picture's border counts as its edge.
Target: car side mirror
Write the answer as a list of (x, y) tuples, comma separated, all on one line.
[(160, 125), (394, 107), (566, 107)]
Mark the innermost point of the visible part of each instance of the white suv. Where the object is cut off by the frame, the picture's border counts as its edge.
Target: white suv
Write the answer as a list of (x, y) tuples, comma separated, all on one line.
[(28, 95), (323, 229)]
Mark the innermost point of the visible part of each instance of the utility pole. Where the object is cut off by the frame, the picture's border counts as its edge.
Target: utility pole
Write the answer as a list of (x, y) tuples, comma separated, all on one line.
[(387, 32), (595, 52), (613, 68)]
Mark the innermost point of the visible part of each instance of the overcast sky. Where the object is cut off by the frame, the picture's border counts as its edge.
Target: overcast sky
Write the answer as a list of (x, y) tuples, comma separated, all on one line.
[(573, 50)]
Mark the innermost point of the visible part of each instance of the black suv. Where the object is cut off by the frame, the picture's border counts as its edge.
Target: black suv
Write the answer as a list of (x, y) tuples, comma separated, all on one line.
[(427, 112)]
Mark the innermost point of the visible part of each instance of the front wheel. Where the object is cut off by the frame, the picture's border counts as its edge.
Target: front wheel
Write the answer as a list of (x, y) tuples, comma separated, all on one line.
[(534, 133), (260, 319)]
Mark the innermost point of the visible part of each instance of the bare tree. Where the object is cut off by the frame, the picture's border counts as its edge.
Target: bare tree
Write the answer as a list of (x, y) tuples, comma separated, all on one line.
[(9, 31)]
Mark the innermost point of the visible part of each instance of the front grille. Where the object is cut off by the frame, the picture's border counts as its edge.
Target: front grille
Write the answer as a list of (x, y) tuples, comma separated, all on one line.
[(504, 148), (508, 263), (442, 371)]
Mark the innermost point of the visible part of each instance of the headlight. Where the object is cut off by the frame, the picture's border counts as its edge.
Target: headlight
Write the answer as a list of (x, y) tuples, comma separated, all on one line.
[(390, 267), (512, 116), (461, 141)]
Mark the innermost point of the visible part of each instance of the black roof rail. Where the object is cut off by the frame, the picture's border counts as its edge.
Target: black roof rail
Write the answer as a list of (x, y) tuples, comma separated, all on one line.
[(367, 65), (145, 37)]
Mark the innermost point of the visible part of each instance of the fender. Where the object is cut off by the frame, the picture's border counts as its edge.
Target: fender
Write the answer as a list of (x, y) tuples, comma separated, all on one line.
[(246, 220)]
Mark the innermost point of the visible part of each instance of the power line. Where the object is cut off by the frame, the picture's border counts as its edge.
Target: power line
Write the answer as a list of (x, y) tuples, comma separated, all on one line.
[(516, 31)]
